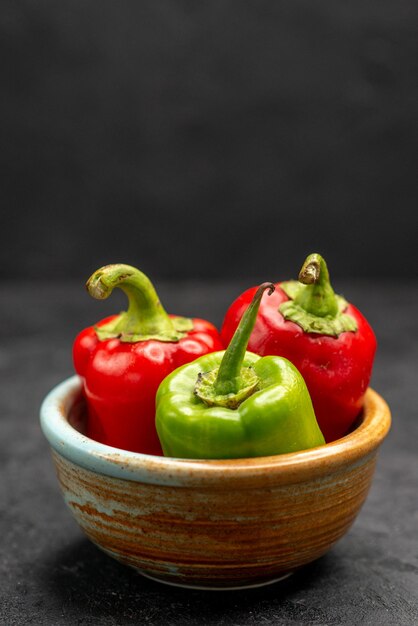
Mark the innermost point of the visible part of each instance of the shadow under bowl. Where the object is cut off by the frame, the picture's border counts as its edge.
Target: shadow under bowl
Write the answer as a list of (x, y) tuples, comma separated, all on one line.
[(211, 524)]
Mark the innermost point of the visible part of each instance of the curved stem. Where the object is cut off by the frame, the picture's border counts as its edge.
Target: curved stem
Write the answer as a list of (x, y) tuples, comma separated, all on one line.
[(145, 315), (318, 297), (229, 374)]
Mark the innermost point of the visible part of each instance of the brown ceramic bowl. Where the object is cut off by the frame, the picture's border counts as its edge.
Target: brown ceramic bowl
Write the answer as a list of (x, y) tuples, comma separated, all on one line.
[(212, 524)]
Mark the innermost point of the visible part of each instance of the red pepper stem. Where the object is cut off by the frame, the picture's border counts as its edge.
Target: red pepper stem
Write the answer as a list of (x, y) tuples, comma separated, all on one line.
[(228, 379), (145, 315), (318, 297)]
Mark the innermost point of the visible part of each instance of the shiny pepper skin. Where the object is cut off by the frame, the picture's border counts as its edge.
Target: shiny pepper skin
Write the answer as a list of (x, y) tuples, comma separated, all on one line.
[(121, 373), (236, 404), (336, 368)]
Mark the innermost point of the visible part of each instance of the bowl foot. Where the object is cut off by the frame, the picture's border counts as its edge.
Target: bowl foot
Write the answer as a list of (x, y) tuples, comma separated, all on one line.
[(214, 587)]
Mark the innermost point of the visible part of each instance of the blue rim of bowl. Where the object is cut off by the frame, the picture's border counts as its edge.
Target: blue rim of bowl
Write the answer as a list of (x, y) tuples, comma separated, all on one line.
[(293, 467)]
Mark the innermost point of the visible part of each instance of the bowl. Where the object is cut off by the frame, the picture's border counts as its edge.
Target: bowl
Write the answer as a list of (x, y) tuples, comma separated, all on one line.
[(211, 524)]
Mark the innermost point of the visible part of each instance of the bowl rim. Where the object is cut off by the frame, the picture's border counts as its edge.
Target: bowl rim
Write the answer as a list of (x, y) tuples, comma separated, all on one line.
[(293, 467)]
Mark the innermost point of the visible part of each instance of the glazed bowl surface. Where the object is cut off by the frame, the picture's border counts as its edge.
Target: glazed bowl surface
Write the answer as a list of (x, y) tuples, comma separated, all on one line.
[(211, 524)]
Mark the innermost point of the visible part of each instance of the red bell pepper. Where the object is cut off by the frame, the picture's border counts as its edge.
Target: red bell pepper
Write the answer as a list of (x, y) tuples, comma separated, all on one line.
[(123, 359), (327, 339)]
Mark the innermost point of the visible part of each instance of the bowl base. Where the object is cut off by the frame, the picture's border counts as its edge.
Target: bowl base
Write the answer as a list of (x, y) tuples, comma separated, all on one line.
[(214, 587)]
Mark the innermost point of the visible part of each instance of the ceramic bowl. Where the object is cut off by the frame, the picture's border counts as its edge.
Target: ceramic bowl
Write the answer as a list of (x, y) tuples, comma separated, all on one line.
[(211, 524)]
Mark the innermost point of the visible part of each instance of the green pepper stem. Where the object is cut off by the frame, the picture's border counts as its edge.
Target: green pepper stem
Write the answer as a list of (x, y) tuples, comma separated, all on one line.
[(228, 379), (318, 297), (145, 315)]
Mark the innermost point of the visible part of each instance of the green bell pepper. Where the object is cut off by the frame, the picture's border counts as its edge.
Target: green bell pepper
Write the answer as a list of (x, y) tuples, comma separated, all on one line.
[(236, 404)]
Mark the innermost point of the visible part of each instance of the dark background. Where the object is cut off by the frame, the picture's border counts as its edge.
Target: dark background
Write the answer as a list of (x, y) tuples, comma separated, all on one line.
[(212, 144), (222, 139)]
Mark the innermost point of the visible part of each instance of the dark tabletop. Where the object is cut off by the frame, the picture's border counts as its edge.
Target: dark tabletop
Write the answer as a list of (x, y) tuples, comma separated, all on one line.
[(51, 574)]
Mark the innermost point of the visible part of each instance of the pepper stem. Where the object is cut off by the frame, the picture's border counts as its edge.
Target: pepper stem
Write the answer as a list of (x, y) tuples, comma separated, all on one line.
[(145, 317), (232, 383), (318, 297), (312, 303), (229, 378)]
